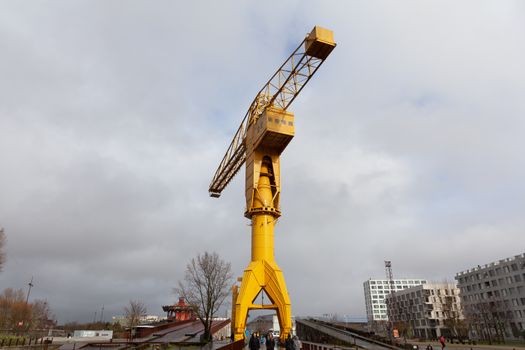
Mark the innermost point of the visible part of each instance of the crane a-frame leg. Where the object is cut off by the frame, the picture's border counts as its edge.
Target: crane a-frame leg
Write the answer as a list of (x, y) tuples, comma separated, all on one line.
[(263, 276)]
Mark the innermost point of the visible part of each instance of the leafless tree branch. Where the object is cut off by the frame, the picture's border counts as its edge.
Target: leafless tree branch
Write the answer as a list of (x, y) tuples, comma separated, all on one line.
[(205, 287)]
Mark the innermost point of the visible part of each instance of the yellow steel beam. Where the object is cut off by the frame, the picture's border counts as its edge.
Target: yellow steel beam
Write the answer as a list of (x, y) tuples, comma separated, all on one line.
[(265, 131)]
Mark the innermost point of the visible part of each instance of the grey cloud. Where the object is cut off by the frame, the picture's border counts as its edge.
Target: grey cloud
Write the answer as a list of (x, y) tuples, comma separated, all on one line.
[(114, 116)]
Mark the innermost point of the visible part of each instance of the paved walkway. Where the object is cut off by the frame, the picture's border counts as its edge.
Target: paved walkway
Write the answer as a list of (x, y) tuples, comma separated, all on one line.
[(437, 346)]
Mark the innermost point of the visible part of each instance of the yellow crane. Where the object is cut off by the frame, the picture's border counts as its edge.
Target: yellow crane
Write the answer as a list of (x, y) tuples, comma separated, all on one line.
[(264, 133)]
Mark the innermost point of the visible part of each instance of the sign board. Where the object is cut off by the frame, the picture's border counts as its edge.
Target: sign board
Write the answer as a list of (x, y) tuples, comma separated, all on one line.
[(396, 333)]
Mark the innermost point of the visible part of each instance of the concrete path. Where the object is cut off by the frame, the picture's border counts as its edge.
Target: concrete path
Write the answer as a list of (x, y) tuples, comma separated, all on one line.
[(437, 346)]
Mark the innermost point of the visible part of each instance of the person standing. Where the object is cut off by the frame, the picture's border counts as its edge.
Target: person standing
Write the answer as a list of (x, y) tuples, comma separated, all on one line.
[(289, 343), (297, 343), (254, 342), (442, 341), (270, 342)]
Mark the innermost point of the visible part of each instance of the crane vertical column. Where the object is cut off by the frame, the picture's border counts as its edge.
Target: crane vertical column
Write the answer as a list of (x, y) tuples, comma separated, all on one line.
[(262, 136), (262, 203)]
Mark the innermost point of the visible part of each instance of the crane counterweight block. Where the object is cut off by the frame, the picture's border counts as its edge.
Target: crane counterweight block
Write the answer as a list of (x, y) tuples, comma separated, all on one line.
[(319, 43)]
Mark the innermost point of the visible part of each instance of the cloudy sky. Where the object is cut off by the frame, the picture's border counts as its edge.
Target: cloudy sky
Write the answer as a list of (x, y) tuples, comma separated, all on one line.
[(115, 114)]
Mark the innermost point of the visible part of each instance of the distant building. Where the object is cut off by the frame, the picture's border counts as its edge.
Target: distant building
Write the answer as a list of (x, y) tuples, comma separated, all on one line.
[(260, 324), (265, 323), (422, 310), (101, 334), (493, 298), (122, 320), (224, 332), (375, 292)]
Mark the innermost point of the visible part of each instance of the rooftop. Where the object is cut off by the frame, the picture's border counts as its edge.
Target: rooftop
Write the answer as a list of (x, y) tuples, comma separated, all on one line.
[(492, 264)]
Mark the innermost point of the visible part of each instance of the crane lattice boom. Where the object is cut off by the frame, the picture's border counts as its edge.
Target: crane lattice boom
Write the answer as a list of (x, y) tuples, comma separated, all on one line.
[(280, 91)]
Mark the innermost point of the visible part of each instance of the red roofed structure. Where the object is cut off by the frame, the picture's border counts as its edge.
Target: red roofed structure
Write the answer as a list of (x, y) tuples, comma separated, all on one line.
[(180, 311)]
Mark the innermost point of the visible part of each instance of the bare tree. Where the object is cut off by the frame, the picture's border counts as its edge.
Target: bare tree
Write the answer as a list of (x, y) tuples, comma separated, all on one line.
[(2, 245), (206, 285), (454, 321), (133, 313), (14, 311), (40, 314)]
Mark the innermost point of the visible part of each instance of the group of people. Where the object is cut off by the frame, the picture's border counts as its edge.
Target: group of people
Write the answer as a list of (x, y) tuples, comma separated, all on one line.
[(256, 340), (441, 341)]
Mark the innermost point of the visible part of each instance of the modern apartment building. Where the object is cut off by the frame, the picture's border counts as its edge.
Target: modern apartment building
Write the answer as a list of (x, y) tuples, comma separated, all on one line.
[(422, 310), (375, 292), (493, 298)]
